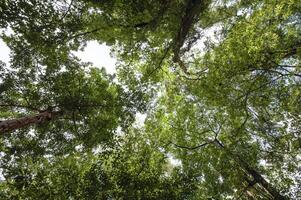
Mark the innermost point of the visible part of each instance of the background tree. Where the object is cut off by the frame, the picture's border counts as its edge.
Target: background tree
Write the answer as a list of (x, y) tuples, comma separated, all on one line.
[(134, 170)]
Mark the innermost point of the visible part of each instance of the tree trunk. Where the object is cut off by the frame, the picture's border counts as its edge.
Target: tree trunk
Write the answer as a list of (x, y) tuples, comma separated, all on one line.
[(190, 16), (267, 186), (14, 124), (257, 177)]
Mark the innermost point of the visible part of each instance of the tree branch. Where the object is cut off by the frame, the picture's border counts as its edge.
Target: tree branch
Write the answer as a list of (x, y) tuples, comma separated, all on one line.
[(192, 148)]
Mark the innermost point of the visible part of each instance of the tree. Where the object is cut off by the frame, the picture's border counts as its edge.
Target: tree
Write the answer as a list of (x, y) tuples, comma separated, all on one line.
[(203, 141), (135, 170), (228, 111), (243, 88)]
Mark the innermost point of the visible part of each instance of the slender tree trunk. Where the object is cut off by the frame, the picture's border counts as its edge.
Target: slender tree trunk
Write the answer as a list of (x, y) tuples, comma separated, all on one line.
[(257, 177), (267, 186), (14, 124)]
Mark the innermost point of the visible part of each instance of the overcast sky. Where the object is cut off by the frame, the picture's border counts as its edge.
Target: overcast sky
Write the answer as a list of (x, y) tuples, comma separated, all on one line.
[(4, 52), (98, 54)]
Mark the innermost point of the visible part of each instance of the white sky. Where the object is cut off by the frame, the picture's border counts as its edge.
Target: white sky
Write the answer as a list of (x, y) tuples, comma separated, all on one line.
[(97, 54), (4, 52)]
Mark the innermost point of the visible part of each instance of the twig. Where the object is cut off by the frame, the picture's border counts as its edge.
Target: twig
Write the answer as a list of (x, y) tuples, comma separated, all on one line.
[(68, 10)]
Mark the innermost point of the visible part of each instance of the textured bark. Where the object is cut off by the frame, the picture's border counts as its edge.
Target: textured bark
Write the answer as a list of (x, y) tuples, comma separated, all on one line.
[(192, 10), (267, 186), (257, 177), (14, 124), (191, 13)]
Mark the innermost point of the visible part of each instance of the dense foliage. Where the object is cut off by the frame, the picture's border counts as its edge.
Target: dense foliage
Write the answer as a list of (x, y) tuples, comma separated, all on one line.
[(218, 80)]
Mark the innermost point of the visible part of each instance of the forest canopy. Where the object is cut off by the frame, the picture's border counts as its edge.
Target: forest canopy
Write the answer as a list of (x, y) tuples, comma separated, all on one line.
[(218, 81)]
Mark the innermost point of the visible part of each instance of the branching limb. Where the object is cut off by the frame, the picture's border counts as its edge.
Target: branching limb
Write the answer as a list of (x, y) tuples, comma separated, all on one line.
[(192, 148)]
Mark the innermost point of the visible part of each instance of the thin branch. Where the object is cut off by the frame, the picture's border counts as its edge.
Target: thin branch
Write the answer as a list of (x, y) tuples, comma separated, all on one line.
[(192, 148), (160, 62), (68, 10), (84, 33), (198, 75), (261, 86)]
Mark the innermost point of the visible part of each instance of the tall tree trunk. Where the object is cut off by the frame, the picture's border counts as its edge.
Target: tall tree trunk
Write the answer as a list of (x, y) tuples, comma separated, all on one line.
[(191, 12), (14, 124), (257, 177)]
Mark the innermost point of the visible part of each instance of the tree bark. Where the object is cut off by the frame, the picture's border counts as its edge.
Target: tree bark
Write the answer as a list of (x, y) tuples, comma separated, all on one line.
[(191, 11), (14, 124), (267, 186), (257, 177)]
